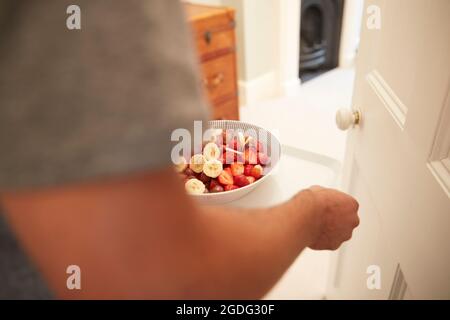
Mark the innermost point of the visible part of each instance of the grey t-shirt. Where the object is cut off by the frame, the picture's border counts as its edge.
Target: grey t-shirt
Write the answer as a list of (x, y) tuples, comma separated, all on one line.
[(89, 103)]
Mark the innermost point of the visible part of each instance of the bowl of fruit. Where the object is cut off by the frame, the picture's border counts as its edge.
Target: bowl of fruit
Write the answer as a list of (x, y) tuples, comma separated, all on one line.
[(233, 159)]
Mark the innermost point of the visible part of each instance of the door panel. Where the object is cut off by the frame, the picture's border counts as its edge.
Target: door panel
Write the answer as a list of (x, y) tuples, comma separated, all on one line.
[(401, 86), (367, 248)]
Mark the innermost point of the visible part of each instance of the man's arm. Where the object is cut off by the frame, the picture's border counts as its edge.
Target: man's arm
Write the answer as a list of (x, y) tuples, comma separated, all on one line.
[(141, 237)]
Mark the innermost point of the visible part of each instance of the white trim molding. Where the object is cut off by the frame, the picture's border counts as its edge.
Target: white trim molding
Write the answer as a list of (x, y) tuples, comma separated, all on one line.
[(439, 161), (351, 29), (290, 87), (390, 100), (289, 45), (258, 89)]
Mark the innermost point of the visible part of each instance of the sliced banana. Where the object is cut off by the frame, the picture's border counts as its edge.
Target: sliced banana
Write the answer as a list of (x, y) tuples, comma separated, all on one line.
[(180, 164), (241, 138), (196, 163), (248, 140), (194, 186), (212, 168), (211, 151)]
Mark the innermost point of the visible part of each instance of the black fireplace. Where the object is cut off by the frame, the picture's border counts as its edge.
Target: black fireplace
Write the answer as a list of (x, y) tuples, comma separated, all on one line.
[(320, 34)]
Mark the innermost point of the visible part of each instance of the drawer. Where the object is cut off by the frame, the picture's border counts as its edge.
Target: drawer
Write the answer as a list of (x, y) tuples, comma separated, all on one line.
[(219, 77), (213, 29), (227, 110), (211, 44)]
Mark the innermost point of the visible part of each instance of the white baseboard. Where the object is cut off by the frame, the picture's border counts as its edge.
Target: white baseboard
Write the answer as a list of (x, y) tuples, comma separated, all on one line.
[(265, 87), (347, 61), (290, 87), (258, 89)]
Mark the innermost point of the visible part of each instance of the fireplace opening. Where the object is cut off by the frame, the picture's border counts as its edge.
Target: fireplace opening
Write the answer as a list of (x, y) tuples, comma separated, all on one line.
[(320, 33)]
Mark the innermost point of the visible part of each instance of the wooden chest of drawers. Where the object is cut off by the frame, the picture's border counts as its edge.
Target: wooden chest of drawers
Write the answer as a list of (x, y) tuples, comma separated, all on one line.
[(213, 30)]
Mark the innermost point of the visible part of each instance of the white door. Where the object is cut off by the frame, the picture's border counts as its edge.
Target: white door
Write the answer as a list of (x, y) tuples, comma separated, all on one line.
[(397, 161)]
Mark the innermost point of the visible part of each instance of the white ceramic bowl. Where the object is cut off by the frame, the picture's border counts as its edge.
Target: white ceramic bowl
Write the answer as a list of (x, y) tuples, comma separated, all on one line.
[(273, 150)]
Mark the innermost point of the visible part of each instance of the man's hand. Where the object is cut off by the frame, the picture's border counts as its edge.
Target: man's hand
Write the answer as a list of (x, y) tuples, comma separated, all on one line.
[(333, 216)]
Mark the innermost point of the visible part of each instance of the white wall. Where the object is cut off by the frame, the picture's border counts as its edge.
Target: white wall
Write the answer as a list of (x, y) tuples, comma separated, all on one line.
[(289, 42), (351, 29), (267, 46), (258, 63)]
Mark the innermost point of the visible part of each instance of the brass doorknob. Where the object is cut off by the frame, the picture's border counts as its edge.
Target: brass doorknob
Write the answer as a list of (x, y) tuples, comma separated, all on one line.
[(346, 118)]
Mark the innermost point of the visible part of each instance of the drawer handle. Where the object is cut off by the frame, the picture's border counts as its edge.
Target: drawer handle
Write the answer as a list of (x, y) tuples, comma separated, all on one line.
[(208, 37), (215, 81)]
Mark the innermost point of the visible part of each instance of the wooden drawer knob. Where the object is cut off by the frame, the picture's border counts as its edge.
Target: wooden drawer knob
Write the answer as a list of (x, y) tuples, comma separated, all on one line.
[(215, 81), (208, 37)]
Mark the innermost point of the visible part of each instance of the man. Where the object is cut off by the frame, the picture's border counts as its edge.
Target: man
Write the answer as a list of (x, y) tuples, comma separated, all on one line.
[(85, 171)]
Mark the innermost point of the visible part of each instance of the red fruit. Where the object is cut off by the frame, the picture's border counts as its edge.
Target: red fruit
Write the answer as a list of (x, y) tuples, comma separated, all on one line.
[(259, 146), (248, 169), (241, 181), (263, 158), (204, 178), (214, 183), (226, 178), (233, 144), (250, 179), (224, 136), (236, 144), (237, 169), (250, 156), (239, 157), (230, 187), (189, 178), (188, 171), (228, 157), (216, 189), (223, 157), (257, 171)]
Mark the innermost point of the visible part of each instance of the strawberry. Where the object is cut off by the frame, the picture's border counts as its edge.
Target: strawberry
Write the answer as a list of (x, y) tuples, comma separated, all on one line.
[(256, 145), (237, 143), (237, 169), (217, 189), (233, 144), (257, 171), (226, 178), (250, 179), (248, 169), (259, 146), (241, 181), (226, 157), (223, 157), (239, 157), (214, 183), (224, 136), (263, 158), (250, 156), (230, 187)]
